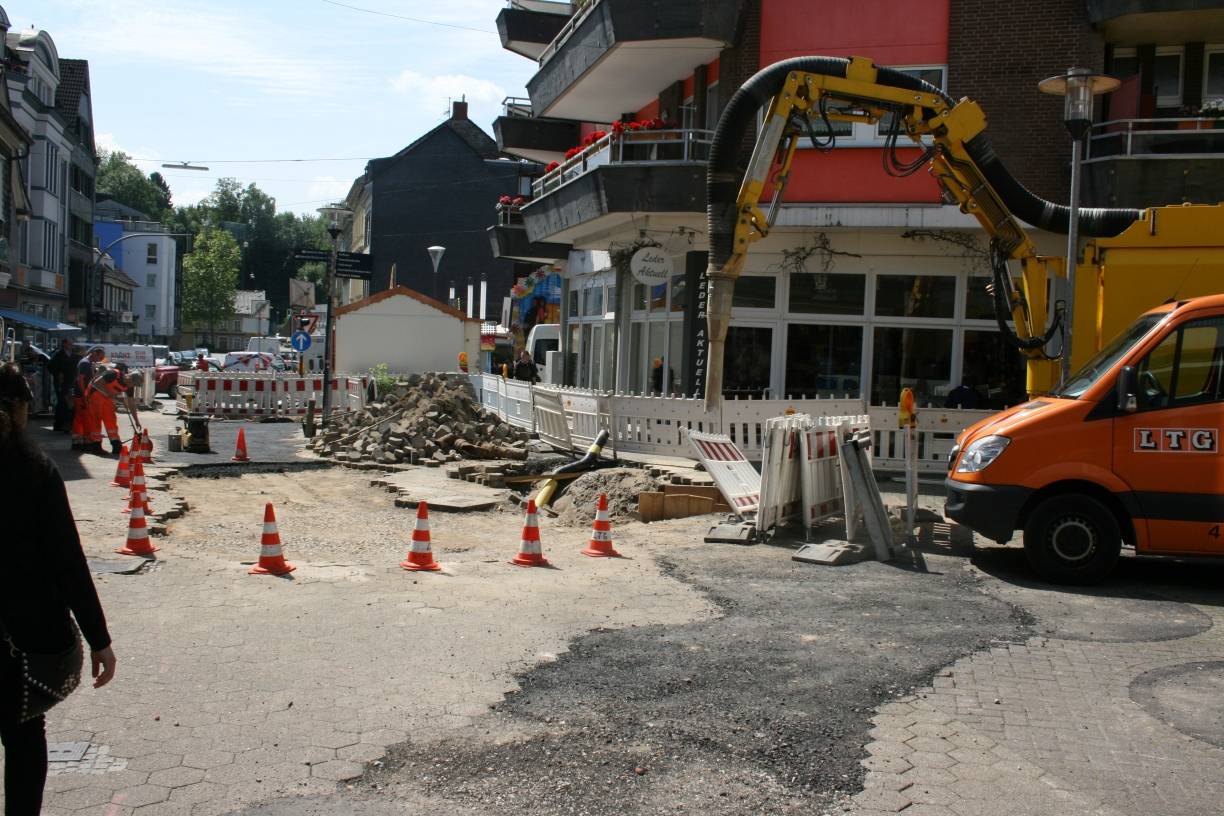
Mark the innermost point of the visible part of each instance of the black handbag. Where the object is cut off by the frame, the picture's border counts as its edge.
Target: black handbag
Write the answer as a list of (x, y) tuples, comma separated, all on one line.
[(45, 679)]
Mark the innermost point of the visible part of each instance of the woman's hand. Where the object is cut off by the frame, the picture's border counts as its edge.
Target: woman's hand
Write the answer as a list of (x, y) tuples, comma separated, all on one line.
[(102, 666)]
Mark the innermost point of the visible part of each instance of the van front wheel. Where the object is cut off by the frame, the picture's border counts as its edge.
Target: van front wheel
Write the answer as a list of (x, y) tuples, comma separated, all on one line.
[(1072, 539)]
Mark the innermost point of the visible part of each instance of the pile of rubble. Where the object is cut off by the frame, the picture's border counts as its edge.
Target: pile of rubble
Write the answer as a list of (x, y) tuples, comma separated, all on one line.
[(429, 419), (622, 485)]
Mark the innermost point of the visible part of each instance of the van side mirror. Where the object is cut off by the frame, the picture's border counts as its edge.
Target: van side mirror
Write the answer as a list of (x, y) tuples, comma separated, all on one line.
[(1127, 388)]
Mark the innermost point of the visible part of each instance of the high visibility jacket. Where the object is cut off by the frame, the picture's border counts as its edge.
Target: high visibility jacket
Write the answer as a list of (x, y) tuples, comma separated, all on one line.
[(84, 377), (110, 383)]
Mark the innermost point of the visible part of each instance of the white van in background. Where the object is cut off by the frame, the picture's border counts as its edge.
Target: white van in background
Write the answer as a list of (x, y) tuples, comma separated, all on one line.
[(543, 338)]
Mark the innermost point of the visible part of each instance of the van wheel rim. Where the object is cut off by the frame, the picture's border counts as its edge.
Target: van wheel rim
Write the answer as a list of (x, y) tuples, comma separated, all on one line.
[(1073, 539)]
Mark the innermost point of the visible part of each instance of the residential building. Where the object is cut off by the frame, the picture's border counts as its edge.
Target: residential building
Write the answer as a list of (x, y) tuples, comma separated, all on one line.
[(144, 250), (357, 237), (32, 77), (440, 190), (113, 318), (867, 283), (73, 103), (251, 318), (15, 143)]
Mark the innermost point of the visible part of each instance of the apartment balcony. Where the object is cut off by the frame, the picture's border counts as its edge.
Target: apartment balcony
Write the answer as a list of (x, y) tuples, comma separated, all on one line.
[(528, 26), (509, 239), (1150, 162), (519, 133), (1131, 21), (80, 205), (618, 178), (613, 56)]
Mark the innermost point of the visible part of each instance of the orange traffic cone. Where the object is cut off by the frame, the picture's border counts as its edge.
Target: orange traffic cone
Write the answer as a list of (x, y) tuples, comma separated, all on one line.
[(240, 452), (146, 447), (138, 534), (601, 533), (135, 450), (420, 556), (271, 558), (123, 477), (530, 553), (138, 488)]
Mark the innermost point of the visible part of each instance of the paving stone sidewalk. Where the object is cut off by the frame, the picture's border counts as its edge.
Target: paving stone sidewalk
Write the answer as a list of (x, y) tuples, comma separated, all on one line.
[(1057, 726)]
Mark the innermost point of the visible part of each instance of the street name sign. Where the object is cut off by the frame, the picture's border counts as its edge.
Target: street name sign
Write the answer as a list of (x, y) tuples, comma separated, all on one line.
[(309, 255)]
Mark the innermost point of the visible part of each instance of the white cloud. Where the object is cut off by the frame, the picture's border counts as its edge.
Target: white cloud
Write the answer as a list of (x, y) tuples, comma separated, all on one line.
[(327, 188), (432, 92)]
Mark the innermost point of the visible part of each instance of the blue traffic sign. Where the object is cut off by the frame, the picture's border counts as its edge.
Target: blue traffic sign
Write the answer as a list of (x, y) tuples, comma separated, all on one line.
[(300, 340)]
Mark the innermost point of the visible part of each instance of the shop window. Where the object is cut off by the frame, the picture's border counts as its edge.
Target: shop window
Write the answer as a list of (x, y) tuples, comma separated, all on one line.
[(584, 379), (657, 353), (637, 378), (993, 374), (597, 333), (592, 301), (573, 303), (746, 361), (920, 359), (658, 297), (979, 304), (823, 361), (754, 292), (675, 344), (639, 297), (915, 295), (827, 294), (679, 293), (1213, 74), (611, 312)]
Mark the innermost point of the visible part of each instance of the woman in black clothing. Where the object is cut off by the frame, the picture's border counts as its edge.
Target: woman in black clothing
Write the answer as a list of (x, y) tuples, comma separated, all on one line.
[(44, 578)]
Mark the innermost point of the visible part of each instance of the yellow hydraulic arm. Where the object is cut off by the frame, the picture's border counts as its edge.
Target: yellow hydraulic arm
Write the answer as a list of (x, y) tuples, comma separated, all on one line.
[(942, 130)]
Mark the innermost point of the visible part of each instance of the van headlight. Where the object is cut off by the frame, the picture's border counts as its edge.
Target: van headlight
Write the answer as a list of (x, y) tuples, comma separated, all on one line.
[(981, 453)]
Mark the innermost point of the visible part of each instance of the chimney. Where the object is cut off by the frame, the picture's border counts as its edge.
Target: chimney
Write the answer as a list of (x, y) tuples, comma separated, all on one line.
[(459, 109)]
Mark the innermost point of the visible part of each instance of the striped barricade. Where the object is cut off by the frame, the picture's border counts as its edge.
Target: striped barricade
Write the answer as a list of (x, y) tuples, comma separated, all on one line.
[(263, 396), (737, 479), (780, 466)]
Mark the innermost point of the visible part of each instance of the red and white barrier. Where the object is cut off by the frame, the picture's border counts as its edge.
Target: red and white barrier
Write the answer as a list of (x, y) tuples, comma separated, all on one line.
[(737, 479), (261, 395), (781, 498)]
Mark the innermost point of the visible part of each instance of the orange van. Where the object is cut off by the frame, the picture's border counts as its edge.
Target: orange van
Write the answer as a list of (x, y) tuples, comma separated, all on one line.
[(1126, 451)]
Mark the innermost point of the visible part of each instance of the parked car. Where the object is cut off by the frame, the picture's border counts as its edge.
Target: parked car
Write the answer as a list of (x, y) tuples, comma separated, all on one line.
[(166, 377), (252, 361)]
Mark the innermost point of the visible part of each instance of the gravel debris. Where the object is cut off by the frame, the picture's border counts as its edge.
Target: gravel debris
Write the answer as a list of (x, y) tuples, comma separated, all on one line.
[(576, 507)]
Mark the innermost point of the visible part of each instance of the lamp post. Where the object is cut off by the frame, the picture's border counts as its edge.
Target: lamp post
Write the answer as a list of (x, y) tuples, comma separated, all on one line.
[(334, 214), (435, 255), (1077, 87)]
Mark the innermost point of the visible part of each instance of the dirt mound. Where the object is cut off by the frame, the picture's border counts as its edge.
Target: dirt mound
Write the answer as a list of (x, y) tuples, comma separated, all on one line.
[(622, 486)]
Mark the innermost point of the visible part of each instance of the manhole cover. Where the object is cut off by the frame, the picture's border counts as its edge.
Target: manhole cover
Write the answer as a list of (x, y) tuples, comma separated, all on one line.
[(66, 751), (126, 566)]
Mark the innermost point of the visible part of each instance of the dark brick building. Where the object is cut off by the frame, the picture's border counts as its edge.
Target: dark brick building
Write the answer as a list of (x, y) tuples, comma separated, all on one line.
[(442, 190)]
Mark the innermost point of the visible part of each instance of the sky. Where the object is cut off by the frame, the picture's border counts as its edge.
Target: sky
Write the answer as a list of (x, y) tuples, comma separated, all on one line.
[(234, 84)]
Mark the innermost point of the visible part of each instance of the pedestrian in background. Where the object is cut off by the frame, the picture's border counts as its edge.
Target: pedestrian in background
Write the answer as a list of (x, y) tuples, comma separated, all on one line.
[(62, 368), (45, 578), (525, 369)]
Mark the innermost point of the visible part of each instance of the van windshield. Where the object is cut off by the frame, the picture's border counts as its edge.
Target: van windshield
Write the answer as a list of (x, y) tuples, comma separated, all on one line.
[(1104, 359)]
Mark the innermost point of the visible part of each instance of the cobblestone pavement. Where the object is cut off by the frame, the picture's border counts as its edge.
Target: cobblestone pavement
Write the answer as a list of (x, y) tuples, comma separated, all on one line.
[(1116, 710), (234, 688)]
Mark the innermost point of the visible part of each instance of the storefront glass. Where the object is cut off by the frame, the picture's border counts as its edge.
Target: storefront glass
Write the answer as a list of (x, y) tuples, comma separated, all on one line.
[(920, 359), (915, 296), (754, 292), (827, 294), (823, 361), (746, 361), (993, 371)]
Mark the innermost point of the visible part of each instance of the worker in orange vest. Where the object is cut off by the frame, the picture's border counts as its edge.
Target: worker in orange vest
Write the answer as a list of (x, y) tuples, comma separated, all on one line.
[(111, 384), (82, 420)]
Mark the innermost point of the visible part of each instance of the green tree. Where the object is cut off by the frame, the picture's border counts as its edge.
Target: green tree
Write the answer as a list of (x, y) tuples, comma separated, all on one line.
[(210, 279), (122, 180)]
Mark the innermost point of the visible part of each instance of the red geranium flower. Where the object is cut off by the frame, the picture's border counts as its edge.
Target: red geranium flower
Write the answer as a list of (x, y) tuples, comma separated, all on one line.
[(656, 124), (518, 201), (635, 126), (551, 166), (597, 135), (572, 152), (504, 200), (618, 127)]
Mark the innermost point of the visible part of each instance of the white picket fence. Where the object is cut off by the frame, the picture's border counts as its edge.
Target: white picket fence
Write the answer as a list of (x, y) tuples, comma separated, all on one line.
[(263, 395), (569, 419)]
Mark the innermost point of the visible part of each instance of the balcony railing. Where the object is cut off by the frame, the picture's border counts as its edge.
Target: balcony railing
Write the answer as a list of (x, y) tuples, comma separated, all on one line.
[(1176, 138), (516, 107), (566, 32), (683, 145)]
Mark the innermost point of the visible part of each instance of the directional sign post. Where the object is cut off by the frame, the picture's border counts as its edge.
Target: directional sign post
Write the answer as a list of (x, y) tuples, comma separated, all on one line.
[(311, 255), (300, 341), (357, 265)]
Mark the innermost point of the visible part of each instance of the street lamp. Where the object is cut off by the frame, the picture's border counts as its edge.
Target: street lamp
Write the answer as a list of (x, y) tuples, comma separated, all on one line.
[(334, 214), (435, 255), (1077, 87)]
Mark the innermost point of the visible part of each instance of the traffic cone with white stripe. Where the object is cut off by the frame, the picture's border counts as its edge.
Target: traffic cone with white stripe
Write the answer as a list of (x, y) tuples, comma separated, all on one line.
[(138, 488), (601, 533), (271, 557), (123, 476), (240, 451), (146, 447), (138, 533), (530, 552), (135, 449), (420, 556)]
